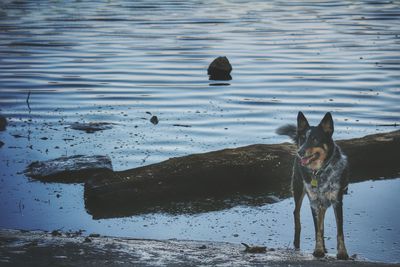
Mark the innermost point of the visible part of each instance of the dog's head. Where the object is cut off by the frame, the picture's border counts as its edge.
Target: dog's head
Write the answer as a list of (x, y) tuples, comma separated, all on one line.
[(315, 143)]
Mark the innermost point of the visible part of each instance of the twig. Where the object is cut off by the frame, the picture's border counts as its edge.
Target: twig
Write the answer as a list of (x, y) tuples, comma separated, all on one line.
[(393, 124), (27, 100), (21, 207)]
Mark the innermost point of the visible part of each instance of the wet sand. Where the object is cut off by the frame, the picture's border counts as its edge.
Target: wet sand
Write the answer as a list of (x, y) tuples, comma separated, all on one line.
[(38, 248)]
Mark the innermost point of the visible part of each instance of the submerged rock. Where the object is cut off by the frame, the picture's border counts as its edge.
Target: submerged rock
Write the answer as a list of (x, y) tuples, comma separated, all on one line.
[(3, 123), (1, 144), (74, 169), (220, 69), (91, 127)]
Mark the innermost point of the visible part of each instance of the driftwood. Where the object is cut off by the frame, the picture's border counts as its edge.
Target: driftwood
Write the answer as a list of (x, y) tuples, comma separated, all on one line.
[(220, 179)]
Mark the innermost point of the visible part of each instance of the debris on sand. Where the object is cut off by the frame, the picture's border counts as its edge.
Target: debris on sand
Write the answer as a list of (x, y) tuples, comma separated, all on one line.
[(91, 127), (254, 249), (72, 169), (3, 123), (94, 235), (62, 250), (220, 69), (56, 233)]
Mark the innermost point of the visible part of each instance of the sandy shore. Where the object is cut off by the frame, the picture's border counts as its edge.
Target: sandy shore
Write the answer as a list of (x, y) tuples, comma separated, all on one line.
[(38, 248)]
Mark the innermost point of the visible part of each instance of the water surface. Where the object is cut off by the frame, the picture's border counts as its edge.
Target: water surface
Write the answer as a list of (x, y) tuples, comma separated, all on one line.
[(123, 62)]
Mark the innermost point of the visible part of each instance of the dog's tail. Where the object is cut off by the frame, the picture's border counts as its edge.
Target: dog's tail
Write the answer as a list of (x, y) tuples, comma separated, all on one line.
[(289, 130)]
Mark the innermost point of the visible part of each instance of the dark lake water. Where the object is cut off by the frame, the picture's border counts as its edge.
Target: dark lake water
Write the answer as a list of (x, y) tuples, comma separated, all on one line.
[(125, 61)]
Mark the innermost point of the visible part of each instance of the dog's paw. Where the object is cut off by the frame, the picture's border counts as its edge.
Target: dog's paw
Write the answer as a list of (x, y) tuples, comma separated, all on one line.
[(319, 253), (342, 255)]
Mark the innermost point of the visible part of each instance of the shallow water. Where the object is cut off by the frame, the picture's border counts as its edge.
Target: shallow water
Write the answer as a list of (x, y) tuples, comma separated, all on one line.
[(119, 62)]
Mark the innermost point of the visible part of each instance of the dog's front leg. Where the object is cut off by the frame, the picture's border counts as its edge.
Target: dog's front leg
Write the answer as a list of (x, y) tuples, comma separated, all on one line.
[(341, 248), (319, 213)]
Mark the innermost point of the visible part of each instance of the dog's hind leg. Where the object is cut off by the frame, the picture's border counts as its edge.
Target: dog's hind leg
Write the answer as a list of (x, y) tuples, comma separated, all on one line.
[(341, 248), (298, 194)]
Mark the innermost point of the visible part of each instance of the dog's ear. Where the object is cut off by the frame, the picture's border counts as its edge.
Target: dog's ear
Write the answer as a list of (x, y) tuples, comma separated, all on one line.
[(327, 124), (302, 123)]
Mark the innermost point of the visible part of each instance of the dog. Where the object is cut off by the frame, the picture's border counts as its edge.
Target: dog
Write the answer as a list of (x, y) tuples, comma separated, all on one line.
[(320, 170)]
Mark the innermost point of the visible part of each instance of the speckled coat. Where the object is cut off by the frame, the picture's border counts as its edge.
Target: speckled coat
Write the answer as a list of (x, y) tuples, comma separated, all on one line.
[(332, 180)]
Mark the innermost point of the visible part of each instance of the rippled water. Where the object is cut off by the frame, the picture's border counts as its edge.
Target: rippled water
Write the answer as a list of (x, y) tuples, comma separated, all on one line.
[(120, 61)]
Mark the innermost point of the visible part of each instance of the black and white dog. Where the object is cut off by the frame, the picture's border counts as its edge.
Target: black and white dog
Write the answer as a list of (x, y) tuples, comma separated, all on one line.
[(320, 171)]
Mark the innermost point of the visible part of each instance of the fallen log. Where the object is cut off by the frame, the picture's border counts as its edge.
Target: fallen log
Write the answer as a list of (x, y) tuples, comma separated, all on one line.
[(221, 179)]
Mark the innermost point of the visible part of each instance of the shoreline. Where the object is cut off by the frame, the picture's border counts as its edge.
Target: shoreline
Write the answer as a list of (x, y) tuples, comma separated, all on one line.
[(41, 248)]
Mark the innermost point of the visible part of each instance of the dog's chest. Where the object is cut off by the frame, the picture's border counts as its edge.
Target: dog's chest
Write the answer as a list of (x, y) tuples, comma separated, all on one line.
[(324, 190)]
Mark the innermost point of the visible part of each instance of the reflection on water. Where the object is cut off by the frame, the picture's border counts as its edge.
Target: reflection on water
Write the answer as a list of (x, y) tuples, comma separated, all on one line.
[(120, 61)]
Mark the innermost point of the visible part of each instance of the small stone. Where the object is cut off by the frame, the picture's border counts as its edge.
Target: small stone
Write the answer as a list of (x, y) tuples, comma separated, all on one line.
[(154, 120), (94, 235), (56, 233)]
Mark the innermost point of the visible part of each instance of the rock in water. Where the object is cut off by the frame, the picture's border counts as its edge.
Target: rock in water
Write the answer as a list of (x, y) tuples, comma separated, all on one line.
[(1, 144), (154, 120), (3, 123), (91, 127), (220, 69), (74, 169)]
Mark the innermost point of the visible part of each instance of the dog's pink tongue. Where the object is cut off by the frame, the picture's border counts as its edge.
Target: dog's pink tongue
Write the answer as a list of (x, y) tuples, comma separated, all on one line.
[(304, 161)]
